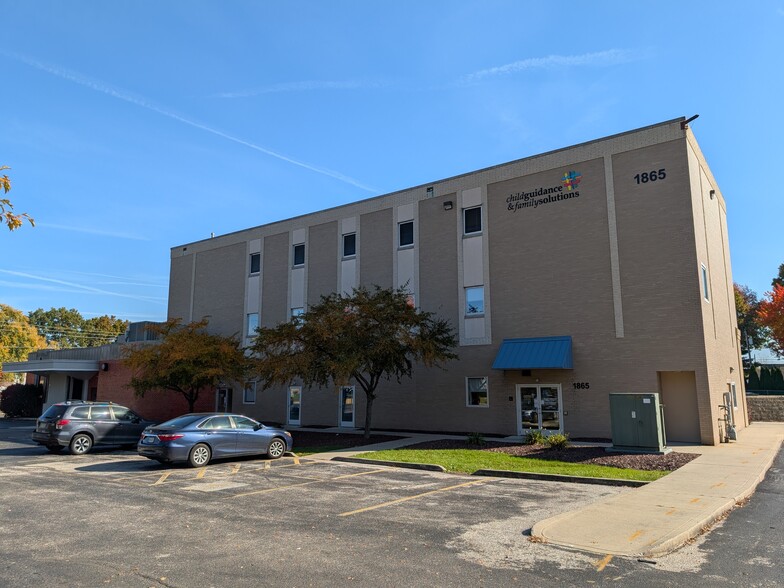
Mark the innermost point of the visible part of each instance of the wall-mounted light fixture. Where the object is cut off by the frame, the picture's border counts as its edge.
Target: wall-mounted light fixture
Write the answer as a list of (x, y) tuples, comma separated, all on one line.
[(732, 369), (712, 194), (430, 192), (448, 205), (104, 367)]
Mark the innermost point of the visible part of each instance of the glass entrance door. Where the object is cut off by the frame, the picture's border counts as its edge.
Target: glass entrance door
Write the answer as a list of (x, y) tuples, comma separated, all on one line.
[(347, 406), (539, 408), (295, 398)]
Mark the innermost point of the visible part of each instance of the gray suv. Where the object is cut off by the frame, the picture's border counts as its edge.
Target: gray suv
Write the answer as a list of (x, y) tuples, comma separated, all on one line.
[(81, 425)]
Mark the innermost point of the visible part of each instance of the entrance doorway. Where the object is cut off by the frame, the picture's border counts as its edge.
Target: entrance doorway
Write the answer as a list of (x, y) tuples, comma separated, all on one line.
[(347, 406), (295, 399), (539, 408)]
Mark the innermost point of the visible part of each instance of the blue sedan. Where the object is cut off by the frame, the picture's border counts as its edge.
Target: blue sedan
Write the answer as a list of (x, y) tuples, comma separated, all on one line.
[(199, 437)]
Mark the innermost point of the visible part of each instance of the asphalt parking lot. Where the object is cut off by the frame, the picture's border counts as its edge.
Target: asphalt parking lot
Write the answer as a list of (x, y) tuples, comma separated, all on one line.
[(111, 518)]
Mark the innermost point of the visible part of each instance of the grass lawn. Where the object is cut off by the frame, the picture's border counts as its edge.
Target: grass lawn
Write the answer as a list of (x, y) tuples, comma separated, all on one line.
[(469, 460)]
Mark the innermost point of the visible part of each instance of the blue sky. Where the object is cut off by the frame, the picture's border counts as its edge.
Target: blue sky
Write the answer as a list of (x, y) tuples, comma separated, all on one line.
[(135, 126)]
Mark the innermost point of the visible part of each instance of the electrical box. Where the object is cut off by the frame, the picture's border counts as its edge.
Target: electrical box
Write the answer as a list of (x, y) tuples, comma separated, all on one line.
[(637, 423)]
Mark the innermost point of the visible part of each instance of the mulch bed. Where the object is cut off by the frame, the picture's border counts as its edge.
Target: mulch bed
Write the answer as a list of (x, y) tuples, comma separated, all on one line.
[(341, 440), (574, 454)]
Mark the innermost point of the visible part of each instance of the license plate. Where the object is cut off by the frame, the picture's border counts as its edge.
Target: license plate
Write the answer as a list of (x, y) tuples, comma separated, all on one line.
[(148, 440)]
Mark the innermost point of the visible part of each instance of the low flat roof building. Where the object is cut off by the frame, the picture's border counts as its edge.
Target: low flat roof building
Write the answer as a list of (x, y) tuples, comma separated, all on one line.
[(594, 269)]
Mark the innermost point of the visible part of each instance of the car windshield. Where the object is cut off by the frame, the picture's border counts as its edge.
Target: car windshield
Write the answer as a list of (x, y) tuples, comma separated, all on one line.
[(180, 421), (54, 412)]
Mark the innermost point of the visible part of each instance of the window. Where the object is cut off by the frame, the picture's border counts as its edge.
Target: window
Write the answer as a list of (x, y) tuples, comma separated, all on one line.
[(475, 300), (406, 234), (472, 220), (100, 413), (476, 392), (734, 395), (296, 315), (350, 245), (255, 263), (705, 284), (221, 422), (82, 412), (252, 324), (249, 396), (244, 423), (299, 255)]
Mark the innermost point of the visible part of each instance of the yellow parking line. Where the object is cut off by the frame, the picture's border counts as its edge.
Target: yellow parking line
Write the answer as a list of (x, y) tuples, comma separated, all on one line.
[(296, 459), (399, 500), (235, 468), (162, 479), (201, 473), (266, 490), (602, 563)]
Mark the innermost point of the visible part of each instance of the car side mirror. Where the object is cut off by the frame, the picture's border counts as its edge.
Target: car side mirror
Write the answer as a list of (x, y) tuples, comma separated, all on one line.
[(136, 420), (258, 426)]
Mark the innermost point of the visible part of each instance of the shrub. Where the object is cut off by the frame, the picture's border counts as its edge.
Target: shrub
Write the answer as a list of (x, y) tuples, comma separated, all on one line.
[(557, 442), (476, 439), (21, 400), (534, 438)]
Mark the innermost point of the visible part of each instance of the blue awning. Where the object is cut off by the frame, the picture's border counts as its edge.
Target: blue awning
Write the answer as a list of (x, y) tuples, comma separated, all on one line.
[(535, 353)]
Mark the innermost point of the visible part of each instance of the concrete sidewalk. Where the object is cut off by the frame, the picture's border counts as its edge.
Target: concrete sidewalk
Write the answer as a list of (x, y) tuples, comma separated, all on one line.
[(663, 515)]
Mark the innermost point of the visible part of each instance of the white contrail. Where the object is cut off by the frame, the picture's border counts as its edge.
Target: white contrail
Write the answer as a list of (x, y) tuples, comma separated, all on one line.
[(144, 103), (601, 58), (91, 231)]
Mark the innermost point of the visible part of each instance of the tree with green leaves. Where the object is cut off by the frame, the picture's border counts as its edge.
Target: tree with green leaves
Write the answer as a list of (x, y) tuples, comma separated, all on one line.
[(365, 337), (7, 216), (186, 359), (18, 337), (754, 379), (753, 333), (779, 279), (67, 328)]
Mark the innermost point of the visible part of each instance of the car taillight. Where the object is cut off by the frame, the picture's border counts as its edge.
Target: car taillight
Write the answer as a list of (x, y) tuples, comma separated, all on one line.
[(61, 423), (170, 437)]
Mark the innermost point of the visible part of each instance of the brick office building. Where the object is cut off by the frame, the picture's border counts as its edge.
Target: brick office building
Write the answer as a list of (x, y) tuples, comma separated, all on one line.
[(598, 268)]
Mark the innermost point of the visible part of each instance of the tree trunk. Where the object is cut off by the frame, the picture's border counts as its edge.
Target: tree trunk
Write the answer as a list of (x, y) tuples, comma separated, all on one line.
[(191, 398), (368, 412)]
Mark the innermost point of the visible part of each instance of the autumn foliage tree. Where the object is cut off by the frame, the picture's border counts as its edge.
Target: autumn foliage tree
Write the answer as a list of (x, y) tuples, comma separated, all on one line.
[(7, 216), (365, 337), (186, 359), (17, 336), (771, 316), (752, 331)]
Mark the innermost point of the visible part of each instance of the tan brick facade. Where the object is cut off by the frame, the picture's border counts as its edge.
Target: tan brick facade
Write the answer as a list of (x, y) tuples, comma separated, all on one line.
[(604, 242)]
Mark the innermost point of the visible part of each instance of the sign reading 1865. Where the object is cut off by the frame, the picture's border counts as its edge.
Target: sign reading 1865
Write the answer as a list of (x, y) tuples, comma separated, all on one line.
[(650, 176)]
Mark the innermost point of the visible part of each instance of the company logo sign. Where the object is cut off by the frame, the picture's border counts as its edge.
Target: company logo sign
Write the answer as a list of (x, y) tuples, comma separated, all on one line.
[(566, 190)]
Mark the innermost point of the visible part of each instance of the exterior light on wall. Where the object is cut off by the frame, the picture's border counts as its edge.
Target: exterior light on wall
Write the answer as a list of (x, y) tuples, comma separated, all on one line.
[(712, 194), (430, 192), (448, 205), (732, 369), (104, 367)]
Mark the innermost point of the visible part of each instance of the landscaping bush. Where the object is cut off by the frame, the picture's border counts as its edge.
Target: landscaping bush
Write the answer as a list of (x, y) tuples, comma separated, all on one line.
[(557, 442), (535, 438), (21, 400), (476, 439)]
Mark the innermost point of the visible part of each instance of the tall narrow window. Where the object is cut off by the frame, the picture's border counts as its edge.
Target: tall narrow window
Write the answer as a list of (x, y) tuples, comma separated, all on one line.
[(406, 234), (475, 300), (705, 284), (472, 220), (350, 245), (299, 255), (252, 324), (296, 315), (255, 263), (249, 396)]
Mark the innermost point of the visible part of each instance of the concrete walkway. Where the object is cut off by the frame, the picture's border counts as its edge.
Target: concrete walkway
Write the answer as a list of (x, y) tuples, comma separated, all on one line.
[(663, 515)]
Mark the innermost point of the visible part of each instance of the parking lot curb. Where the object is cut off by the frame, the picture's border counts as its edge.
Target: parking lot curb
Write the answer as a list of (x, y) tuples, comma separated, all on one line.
[(398, 464), (560, 478)]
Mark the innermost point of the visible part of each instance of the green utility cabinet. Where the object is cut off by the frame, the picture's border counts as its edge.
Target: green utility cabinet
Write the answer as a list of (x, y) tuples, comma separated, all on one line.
[(637, 423)]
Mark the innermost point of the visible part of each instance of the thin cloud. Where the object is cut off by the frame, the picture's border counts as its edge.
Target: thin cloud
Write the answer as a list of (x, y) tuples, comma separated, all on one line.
[(82, 288), (142, 102), (91, 231), (598, 59), (304, 86)]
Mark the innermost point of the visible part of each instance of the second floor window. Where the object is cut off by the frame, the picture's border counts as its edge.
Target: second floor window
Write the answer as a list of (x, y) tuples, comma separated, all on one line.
[(349, 245), (472, 220), (255, 263), (299, 255), (406, 234)]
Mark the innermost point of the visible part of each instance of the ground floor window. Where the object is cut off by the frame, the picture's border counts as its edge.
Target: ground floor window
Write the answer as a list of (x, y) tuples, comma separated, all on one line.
[(476, 392), (249, 396)]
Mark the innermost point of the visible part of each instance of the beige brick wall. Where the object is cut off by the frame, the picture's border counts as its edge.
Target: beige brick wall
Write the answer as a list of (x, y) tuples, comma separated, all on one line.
[(766, 408)]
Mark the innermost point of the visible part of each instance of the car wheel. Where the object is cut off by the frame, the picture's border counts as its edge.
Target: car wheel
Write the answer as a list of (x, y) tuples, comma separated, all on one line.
[(54, 448), (277, 447), (81, 444), (199, 455)]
